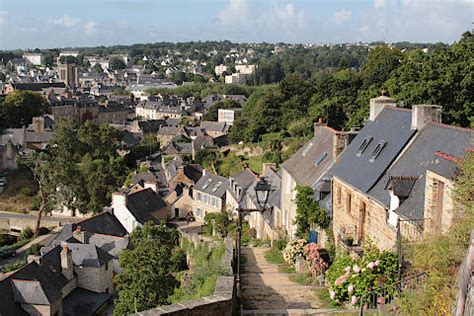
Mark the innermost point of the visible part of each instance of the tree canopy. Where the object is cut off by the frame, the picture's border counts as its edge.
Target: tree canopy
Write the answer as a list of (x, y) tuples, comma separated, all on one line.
[(146, 280), (19, 108)]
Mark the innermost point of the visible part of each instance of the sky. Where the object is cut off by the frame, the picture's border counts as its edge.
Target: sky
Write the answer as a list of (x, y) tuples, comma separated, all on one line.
[(79, 23)]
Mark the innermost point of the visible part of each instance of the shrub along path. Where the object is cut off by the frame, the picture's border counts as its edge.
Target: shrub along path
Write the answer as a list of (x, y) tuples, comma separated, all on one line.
[(267, 291)]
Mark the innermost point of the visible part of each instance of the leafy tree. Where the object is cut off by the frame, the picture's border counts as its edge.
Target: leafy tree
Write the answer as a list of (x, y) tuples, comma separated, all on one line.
[(40, 165), (212, 112), (308, 212), (146, 280), (20, 107), (117, 63), (98, 68), (26, 233)]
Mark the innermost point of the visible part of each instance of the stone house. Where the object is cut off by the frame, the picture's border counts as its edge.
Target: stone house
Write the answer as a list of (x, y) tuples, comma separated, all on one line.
[(59, 281), (181, 188), (309, 166), (135, 206), (238, 185), (266, 224), (209, 194), (215, 129), (399, 169)]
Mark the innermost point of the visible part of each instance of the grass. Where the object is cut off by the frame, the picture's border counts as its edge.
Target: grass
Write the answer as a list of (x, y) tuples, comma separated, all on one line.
[(274, 256), (233, 164), (19, 192), (302, 278)]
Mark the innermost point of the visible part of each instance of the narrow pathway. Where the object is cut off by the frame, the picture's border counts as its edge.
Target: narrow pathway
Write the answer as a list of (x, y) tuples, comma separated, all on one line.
[(266, 291)]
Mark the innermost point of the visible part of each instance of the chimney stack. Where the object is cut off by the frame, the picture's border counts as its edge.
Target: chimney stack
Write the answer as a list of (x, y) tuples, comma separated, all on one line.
[(66, 262), (378, 104), (319, 124), (423, 114)]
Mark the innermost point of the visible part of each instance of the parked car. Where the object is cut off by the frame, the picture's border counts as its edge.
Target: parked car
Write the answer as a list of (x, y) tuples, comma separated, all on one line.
[(3, 183)]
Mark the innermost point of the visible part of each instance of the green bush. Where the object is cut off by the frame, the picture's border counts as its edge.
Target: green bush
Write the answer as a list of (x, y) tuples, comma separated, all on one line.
[(35, 203), (178, 260), (33, 250), (26, 192), (26, 233)]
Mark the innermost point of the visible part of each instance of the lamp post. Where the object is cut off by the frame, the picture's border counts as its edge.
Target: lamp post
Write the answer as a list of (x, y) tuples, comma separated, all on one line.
[(262, 192)]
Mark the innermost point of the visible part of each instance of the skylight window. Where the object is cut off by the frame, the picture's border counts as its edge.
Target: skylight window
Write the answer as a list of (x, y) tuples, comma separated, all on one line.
[(377, 150), (305, 151), (217, 186), (208, 181), (364, 145), (320, 159)]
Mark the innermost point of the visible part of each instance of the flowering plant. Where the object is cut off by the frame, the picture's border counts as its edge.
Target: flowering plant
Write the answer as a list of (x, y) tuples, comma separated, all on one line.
[(349, 279), (317, 257), (293, 250)]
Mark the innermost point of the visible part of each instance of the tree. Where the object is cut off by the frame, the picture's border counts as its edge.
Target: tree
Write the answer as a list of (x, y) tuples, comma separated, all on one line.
[(44, 175), (146, 280), (20, 107), (308, 212), (117, 63)]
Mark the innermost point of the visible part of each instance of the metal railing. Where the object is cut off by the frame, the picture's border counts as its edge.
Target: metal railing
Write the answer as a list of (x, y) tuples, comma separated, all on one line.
[(383, 300)]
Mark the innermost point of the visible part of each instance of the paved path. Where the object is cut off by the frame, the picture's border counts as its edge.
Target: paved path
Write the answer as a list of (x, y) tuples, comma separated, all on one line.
[(266, 291)]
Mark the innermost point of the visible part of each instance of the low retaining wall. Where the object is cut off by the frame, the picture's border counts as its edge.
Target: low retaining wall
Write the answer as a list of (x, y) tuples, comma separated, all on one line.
[(224, 300)]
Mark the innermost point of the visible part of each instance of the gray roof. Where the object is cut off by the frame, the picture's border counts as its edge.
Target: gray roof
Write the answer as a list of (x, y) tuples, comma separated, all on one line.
[(104, 223), (421, 155), (274, 179), (212, 184), (211, 126), (84, 302), (302, 165), (143, 203), (393, 126), (142, 177), (88, 255)]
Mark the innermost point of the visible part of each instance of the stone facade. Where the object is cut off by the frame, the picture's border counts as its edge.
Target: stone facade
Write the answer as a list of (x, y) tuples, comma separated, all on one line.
[(358, 217), (439, 203), (96, 279)]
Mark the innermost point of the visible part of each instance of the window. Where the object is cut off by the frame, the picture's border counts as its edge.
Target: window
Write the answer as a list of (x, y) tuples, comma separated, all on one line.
[(217, 186), (305, 151), (349, 202), (199, 196), (338, 195), (208, 181), (377, 150), (364, 145), (320, 159)]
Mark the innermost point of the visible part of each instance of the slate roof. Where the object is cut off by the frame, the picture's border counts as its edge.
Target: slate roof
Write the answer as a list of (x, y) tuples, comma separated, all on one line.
[(211, 126), (421, 155), (37, 284), (193, 172), (104, 223), (38, 86), (84, 302), (243, 180), (142, 177), (151, 126), (393, 126), (88, 255), (143, 203), (302, 165), (129, 139), (274, 179), (212, 184)]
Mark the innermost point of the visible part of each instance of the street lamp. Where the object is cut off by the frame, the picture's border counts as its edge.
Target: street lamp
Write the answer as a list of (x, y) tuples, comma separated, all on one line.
[(262, 193)]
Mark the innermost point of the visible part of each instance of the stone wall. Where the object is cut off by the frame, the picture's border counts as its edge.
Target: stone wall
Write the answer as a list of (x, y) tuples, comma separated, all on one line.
[(222, 303)]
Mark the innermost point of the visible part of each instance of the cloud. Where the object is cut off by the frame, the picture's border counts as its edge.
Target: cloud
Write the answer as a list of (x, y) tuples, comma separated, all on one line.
[(3, 17), (89, 28), (65, 21), (342, 16)]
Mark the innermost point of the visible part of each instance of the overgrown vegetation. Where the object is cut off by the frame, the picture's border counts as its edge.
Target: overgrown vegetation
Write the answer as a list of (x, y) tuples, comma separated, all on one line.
[(20, 193), (308, 213), (441, 255), (200, 281)]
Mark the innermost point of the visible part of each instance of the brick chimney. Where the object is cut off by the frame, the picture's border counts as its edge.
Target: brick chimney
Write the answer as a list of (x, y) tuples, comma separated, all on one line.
[(318, 125), (378, 104), (66, 262), (423, 114)]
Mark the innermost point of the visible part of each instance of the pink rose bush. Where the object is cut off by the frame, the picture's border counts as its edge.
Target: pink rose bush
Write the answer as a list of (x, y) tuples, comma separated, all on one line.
[(350, 279)]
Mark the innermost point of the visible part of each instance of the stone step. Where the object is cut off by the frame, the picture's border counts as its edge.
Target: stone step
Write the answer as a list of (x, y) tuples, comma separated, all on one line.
[(297, 312)]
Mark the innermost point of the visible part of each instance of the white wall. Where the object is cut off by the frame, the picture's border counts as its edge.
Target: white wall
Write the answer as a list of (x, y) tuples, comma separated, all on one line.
[(122, 213)]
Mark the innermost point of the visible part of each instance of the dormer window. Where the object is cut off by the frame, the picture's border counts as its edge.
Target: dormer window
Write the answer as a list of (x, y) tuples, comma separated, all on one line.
[(364, 145), (377, 150), (320, 159), (305, 151)]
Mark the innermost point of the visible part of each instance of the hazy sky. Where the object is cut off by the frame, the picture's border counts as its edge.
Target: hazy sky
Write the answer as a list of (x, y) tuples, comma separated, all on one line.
[(61, 23)]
